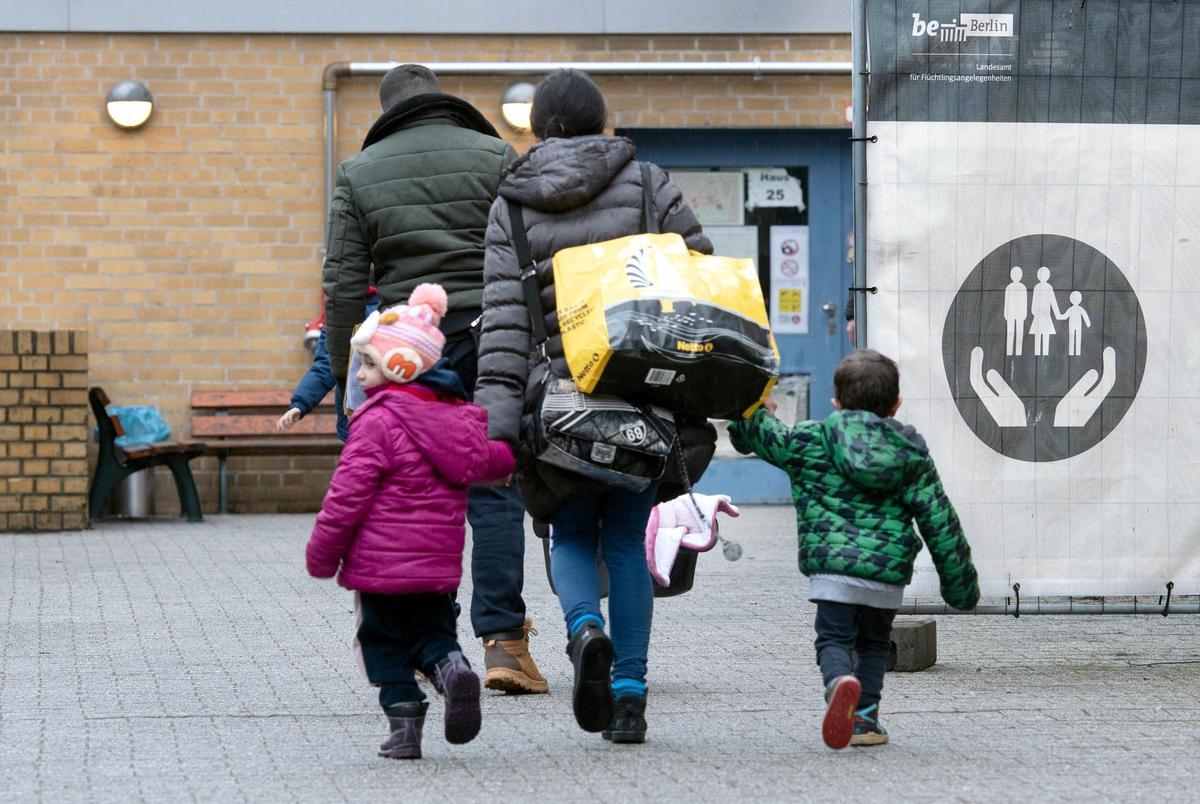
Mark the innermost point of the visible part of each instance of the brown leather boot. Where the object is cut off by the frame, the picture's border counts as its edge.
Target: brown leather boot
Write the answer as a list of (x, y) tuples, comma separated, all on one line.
[(509, 666)]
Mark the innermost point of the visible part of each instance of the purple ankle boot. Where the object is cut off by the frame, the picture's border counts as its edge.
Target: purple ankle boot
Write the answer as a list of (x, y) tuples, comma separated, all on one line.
[(406, 721), (457, 682)]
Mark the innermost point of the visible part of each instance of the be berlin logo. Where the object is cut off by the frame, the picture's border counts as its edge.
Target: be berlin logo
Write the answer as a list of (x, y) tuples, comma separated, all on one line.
[(964, 26)]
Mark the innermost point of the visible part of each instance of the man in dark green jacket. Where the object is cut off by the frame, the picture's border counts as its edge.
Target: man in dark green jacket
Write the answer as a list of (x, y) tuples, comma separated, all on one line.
[(859, 479), (414, 204)]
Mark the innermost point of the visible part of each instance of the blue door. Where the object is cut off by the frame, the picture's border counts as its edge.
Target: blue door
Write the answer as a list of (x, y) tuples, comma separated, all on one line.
[(820, 160)]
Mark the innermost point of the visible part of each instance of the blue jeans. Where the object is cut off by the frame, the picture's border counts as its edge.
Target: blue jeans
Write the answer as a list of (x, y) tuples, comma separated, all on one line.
[(615, 522)]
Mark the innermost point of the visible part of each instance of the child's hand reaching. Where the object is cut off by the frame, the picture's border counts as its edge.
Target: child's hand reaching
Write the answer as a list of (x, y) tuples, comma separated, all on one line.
[(288, 420)]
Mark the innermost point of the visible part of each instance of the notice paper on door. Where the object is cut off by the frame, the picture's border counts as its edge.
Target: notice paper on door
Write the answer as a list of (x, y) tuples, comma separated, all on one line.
[(789, 279), (716, 196), (734, 241), (773, 187)]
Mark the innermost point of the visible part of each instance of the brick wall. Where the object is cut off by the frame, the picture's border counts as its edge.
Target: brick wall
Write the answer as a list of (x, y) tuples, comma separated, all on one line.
[(190, 250), (43, 430)]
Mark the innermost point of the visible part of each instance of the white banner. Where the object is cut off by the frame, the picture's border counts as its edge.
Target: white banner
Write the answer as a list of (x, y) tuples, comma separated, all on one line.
[(1034, 231)]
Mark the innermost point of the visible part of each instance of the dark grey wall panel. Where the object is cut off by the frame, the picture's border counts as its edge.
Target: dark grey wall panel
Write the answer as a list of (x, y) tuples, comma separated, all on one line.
[(449, 16), (1118, 61)]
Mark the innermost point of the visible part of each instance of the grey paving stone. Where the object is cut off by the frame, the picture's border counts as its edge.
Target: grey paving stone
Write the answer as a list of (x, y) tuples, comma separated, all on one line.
[(168, 661), (914, 645)]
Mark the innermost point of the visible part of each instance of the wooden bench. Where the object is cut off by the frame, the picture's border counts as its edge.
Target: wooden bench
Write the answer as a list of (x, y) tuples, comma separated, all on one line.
[(243, 423), (116, 462)]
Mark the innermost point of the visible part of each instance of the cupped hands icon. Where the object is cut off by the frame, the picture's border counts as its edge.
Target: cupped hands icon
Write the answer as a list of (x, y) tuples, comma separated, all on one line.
[(1073, 410), (1085, 396), (1005, 407)]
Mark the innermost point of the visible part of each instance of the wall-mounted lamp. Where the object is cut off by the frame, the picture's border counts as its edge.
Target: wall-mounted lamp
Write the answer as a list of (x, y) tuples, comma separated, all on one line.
[(516, 105), (129, 104)]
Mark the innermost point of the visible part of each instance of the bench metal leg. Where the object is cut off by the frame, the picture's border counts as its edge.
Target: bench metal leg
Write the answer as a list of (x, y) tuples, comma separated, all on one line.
[(108, 476), (189, 500), (222, 478)]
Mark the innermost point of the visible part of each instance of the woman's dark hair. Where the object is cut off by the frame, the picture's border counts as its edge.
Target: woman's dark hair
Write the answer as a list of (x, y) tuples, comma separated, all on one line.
[(567, 104)]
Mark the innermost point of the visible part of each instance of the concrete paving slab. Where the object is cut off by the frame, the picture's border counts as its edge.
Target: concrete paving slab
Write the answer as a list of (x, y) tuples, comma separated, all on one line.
[(165, 661)]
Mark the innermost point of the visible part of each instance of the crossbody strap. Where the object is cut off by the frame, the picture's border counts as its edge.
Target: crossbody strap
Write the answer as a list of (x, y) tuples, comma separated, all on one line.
[(529, 281)]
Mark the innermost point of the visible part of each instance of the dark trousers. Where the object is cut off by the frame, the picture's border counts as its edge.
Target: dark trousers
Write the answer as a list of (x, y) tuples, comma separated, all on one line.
[(846, 632), (400, 634), (497, 518)]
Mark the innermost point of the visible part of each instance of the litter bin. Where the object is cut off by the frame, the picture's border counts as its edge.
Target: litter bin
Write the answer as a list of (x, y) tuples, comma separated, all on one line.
[(134, 496)]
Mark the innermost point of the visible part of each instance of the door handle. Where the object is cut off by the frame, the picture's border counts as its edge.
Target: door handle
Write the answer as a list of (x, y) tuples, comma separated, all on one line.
[(829, 308)]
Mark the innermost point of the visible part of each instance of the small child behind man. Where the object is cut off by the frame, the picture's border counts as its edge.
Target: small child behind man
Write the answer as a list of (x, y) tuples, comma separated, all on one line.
[(318, 381), (859, 479)]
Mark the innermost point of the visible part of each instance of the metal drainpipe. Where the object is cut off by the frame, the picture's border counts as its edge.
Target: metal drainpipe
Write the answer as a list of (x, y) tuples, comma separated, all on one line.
[(756, 68), (859, 168)]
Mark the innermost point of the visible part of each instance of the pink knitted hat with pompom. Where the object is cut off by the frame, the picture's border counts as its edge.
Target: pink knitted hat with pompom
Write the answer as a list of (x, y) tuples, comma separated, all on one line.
[(405, 340)]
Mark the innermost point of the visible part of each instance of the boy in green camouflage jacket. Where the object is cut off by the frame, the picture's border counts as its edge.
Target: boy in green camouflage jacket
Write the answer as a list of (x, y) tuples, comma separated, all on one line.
[(859, 479)]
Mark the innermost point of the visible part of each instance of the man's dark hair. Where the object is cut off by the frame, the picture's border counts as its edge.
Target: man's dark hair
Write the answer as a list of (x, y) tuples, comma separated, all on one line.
[(867, 380), (567, 104), (403, 82)]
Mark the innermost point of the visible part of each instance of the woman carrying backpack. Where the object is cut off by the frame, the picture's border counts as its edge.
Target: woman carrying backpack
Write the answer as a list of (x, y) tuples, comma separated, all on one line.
[(576, 186)]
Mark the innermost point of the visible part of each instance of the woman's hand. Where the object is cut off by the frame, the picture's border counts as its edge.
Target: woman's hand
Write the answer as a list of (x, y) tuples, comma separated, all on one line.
[(288, 420)]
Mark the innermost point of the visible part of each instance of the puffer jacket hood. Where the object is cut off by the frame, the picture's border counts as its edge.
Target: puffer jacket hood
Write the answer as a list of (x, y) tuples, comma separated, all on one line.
[(875, 453), (561, 174), (394, 516), (446, 442)]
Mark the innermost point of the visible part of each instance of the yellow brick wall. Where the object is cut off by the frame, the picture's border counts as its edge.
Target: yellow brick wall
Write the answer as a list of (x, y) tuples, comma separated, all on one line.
[(190, 250), (43, 430)]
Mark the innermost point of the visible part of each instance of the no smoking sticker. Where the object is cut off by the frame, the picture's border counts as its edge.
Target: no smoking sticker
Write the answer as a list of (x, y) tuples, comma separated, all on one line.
[(1044, 348)]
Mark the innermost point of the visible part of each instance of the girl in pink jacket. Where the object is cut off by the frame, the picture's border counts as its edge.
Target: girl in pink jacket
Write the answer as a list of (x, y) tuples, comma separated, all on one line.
[(392, 523)]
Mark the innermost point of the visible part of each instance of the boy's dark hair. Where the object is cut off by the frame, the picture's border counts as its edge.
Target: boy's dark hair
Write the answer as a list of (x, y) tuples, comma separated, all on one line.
[(403, 82), (567, 104), (867, 380)]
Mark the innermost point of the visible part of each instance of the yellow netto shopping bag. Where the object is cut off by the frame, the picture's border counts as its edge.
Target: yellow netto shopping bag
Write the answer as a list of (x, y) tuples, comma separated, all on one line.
[(644, 318)]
